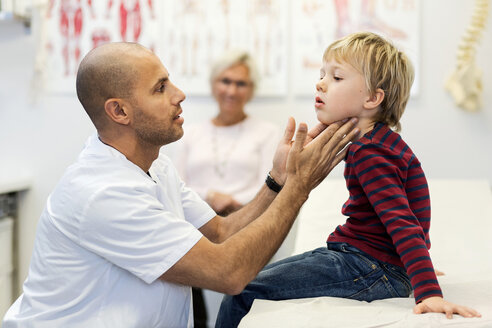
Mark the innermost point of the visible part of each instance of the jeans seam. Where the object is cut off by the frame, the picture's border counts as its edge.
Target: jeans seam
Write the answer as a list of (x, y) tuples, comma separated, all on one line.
[(396, 275), (389, 287), (373, 267), (386, 285), (304, 288), (365, 259)]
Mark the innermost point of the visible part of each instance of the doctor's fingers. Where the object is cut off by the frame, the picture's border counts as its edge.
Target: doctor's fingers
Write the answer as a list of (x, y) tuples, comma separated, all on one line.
[(342, 137), (289, 131), (338, 158), (314, 132), (301, 135), (333, 134)]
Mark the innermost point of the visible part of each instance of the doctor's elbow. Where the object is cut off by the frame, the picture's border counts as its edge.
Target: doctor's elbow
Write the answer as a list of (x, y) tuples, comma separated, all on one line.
[(234, 287), (234, 282)]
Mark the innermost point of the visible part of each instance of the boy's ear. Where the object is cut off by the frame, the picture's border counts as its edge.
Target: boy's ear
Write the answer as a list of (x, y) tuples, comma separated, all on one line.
[(117, 110), (375, 100)]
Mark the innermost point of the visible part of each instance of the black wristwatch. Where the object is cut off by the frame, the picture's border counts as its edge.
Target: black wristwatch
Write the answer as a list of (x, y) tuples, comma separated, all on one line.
[(272, 184)]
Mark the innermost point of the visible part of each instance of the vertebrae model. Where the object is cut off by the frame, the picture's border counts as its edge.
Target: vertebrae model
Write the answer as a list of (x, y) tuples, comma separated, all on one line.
[(465, 84)]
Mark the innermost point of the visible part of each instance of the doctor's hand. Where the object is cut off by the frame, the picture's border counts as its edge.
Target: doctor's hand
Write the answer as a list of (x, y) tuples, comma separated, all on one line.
[(314, 154), (439, 305), (279, 172)]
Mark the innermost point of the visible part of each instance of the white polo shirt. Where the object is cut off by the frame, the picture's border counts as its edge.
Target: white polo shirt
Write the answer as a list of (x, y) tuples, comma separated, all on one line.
[(108, 232)]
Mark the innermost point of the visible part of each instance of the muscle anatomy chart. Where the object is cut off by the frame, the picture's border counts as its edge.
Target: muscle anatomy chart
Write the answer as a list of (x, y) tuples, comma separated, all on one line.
[(286, 37), (71, 28), (70, 19), (198, 31), (317, 23)]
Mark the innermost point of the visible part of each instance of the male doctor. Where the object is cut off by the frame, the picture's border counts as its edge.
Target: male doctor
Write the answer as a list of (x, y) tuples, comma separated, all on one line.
[(122, 239)]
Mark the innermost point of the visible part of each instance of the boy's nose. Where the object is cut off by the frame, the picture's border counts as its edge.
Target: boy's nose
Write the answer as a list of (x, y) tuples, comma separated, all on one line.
[(320, 86)]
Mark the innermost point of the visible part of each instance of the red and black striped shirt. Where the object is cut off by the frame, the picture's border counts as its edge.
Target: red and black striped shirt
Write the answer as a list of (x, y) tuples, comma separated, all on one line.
[(389, 207)]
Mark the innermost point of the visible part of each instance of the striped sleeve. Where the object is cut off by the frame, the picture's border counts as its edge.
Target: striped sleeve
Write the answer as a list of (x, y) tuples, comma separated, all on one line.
[(382, 173)]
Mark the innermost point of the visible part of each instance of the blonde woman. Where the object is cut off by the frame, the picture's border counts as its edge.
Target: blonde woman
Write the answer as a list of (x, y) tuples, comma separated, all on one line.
[(225, 159), (232, 151)]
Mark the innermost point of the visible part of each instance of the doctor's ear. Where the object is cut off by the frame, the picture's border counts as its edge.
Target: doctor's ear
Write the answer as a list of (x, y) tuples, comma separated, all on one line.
[(117, 110), (374, 100)]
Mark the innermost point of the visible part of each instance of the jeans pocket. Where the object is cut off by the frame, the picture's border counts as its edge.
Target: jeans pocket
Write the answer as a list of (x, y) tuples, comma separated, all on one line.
[(364, 265), (380, 289), (372, 265), (399, 280)]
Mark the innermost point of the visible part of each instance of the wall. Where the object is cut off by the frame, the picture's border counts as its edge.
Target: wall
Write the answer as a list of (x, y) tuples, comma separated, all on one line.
[(42, 136)]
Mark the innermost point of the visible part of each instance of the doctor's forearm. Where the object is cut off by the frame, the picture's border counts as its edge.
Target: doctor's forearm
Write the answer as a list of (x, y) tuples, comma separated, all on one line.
[(250, 249), (247, 214)]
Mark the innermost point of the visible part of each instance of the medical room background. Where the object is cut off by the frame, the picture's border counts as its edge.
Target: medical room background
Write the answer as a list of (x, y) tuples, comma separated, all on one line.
[(43, 127)]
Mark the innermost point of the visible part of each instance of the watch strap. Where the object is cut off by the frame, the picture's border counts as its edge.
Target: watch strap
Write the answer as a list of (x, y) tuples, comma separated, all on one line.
[(272, 184)]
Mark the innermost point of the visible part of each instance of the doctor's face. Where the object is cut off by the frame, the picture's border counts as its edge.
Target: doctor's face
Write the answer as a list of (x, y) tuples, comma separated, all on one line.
[(156, 101)]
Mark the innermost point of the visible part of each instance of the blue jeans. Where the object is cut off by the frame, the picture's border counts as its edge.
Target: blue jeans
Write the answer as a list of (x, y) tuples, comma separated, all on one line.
[(340, 270)]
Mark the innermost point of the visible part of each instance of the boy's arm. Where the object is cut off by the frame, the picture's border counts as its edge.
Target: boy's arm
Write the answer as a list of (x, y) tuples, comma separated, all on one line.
[(380, 174), (389, 199)]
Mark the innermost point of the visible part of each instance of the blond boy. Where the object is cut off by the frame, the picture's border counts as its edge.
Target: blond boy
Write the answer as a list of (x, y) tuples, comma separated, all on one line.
[(382, 250)]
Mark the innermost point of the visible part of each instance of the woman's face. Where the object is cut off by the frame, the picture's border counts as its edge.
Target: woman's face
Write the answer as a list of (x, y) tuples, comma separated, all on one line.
[(233, 89)]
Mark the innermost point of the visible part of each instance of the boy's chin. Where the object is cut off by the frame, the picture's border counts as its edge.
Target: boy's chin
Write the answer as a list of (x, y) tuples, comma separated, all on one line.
[(322, 120), (325, 122)]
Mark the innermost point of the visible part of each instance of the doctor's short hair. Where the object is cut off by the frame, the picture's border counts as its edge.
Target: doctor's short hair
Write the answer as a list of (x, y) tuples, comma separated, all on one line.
[(383, 66), (232, 58)]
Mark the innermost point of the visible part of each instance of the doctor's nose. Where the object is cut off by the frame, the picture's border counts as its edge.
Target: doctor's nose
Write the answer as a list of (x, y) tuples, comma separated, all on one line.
[(178, 95)]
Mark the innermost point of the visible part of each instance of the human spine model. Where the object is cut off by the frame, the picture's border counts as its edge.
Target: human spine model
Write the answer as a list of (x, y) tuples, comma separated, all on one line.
[(465, 83)]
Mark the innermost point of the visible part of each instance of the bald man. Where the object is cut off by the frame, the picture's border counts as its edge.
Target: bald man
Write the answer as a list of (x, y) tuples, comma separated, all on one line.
[(122, 238)]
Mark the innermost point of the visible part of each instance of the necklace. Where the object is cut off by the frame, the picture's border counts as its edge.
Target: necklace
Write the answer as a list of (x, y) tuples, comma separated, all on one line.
[(220, 162)]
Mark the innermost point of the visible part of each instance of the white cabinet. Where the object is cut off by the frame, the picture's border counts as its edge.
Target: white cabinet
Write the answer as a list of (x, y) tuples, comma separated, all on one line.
[(6, 263), (11, 188)]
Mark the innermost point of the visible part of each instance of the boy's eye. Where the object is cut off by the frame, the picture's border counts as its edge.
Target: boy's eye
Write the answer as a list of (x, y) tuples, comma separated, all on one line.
[(336, 78), (161, 88)]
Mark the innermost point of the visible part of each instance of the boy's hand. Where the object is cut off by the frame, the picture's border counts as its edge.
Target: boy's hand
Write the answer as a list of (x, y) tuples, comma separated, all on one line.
[(439, 305)]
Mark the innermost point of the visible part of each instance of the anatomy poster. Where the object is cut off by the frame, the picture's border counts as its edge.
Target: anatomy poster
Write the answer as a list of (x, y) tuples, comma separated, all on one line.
[(196, 32), (317, 23), (71, 28), (286, 37)]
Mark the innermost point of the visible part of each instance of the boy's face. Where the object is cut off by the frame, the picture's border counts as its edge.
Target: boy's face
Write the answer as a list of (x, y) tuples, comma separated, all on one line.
[(340, 92)]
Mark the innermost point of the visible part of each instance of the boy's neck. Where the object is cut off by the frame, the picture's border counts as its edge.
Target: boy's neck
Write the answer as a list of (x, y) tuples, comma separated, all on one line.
[(365, 125)]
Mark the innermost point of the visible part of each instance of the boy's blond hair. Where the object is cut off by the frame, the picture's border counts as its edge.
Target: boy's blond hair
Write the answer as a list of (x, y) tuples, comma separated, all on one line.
[(383, 66)]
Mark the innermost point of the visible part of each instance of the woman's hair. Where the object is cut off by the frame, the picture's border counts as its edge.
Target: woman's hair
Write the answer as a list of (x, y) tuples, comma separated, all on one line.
[(383, 66), (232, 58)]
